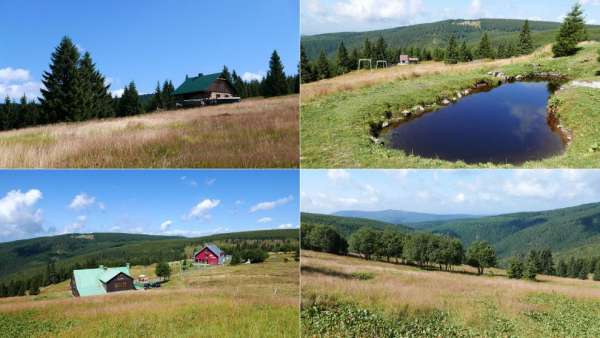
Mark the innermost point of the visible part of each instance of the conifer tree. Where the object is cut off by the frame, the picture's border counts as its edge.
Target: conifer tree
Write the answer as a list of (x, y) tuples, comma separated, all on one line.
[(501, 52), (485, 49), (515, 268), (275, 83), (225, 74), (95, 95), (343, 60), (168, 99), (157, 99), (306, 74), (322, 68), (464, 53), (561, 269), (129, 103), (367, 51), (525, 42), (452, 56), (596, 276), (62, 93), (355, 56), (571, 32), (380, 48)]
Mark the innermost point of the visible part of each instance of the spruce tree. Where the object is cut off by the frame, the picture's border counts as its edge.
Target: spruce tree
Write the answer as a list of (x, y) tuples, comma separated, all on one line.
[(305, 68), (596, 276), (95, 94), (571, 32), (129, 103), (452, 56), (465, 53), (367, 51), (322, 69), (531, 266), (225, 74), (380, 48), (61, 97), (525, 42), (343, 60), (157, 99), (168, 99), (275, 83), (485, 49), (561, 269), (515, 268), (355, 56)]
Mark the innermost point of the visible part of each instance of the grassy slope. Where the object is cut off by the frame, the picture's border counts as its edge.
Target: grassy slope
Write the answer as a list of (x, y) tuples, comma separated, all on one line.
[(459, 304), (228, 301), (335, 113), (253, 133), (347, 225)]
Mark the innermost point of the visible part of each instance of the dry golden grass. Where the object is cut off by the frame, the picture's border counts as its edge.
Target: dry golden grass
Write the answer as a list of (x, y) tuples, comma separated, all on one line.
[(403, 287), (365, 78), (253, 133), (227, 301)]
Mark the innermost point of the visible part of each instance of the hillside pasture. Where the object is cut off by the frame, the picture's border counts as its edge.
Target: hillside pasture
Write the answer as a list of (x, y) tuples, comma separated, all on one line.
[(227, 301), (405, 300), (253, 133)]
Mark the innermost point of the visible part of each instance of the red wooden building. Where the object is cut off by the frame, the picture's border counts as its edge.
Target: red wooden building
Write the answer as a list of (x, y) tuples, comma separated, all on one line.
[(209, 254)]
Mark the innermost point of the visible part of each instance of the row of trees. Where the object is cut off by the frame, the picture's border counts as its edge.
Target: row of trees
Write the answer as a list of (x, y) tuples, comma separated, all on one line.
[(421, 249), (74, 90), (346, 61), (541, 262)]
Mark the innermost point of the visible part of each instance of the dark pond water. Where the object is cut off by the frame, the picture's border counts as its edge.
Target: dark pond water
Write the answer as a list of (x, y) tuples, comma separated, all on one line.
[(507, 124)]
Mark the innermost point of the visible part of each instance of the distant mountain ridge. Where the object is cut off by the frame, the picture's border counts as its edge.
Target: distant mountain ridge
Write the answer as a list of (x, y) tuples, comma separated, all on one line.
[(401, 216), (348, 225), (437, 34)]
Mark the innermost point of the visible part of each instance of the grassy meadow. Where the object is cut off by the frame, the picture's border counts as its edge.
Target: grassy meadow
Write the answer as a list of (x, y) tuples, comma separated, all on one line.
[(251, 134), (247, 300), (352, 297), (335, 113)]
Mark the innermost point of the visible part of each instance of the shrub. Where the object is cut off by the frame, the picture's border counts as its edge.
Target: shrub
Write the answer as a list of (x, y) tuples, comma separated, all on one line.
[(360, 275), (163, 270), (515, 268), (235, 259)]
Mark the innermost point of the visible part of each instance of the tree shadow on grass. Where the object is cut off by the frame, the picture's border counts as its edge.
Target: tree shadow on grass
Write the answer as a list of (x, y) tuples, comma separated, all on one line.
[(325, 271)]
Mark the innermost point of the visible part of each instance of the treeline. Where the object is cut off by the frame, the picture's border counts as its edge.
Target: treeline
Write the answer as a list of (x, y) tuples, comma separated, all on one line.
[(541, 262), (456, 51), (421, 249), (74, 90)]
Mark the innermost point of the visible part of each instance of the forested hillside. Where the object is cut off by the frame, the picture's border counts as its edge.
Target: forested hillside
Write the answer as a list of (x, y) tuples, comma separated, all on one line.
[(21, 259), (348, 225), (436, 35), (400, 217)]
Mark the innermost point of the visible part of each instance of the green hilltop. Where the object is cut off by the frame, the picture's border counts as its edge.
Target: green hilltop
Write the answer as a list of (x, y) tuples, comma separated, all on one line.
[(437, 34)]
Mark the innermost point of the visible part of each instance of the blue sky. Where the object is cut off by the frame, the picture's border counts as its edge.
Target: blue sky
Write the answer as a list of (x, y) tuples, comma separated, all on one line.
[(170, 202), (482, 192), (326, 16), (147, 40)]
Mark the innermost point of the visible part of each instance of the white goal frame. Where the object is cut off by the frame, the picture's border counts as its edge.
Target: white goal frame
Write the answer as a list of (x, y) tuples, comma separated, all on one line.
[(360, 61), (381, 62)]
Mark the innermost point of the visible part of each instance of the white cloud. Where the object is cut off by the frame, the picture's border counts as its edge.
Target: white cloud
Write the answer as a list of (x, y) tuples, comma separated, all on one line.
[(475, 8), (248, 76), (14, 75), (116, 228), (271, 204), (117, 92), (202, 209), (210, 181), (285, 226), (264, 220), (18, 213), (239, 202), (337, 175), (75, 226), (459, 198), (164, 226), (590, 2), (136, 230), (320, 16), (82, 201)]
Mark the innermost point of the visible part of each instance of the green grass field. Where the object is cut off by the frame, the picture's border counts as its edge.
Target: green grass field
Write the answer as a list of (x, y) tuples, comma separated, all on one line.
[(405, 301), (335, 113), (254, 300)]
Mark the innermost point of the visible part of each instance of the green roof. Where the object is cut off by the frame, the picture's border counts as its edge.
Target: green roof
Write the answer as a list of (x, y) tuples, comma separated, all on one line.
[(90, 281), (196, 84)]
